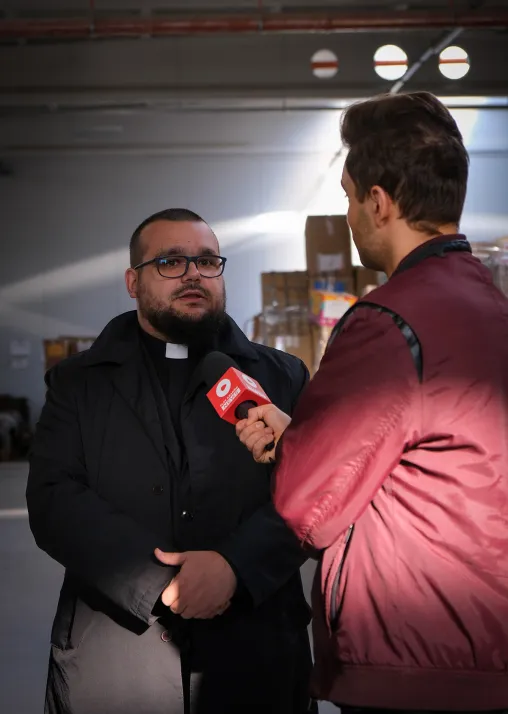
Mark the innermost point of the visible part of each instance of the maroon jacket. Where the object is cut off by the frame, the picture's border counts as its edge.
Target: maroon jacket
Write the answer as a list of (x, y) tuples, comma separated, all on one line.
[(396, 467)]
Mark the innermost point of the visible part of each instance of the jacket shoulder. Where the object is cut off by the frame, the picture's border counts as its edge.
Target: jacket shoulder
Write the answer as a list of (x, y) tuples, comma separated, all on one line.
[(66, 370)]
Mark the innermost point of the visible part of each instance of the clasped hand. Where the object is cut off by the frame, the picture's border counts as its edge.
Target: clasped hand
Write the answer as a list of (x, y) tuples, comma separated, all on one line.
[(203, 587), (205, 584)]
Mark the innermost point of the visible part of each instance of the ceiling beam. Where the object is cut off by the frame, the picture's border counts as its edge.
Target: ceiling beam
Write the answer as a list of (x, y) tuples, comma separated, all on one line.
[(99, 26)]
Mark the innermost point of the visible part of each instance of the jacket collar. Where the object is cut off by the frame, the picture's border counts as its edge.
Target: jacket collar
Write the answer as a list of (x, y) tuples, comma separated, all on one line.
[(120, 340), (120, 344), (436, 246)]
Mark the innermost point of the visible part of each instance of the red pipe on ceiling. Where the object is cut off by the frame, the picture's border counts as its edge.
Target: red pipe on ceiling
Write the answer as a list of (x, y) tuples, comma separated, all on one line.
[(103, 27)]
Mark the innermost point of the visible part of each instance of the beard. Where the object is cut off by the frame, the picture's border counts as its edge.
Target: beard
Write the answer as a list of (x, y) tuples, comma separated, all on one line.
[(369, 246), (198, 332)]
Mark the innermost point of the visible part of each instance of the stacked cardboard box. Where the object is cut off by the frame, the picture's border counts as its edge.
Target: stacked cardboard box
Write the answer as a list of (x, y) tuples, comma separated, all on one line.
[(62, 347), (366, 280), (285, 289), (328, 250), (331, 275), (284, 322), (301, 308)]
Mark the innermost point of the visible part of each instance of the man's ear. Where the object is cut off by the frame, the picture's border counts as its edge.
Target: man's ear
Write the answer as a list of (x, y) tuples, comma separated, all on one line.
[(131, 282), (382, 205)]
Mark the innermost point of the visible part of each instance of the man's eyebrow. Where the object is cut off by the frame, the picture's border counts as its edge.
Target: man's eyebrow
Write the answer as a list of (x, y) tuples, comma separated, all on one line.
[(175, 250), (163, 252)]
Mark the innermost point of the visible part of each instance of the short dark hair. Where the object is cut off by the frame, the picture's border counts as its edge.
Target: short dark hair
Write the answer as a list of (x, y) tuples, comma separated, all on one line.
[(168, 214), (410, 145)]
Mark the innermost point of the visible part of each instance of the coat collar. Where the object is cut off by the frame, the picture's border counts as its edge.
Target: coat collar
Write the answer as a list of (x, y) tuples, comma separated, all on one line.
[(120, 345), (435, 246), (120, 340)]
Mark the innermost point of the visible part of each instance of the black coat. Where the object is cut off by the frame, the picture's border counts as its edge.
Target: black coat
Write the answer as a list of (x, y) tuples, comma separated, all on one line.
[(108, 483)]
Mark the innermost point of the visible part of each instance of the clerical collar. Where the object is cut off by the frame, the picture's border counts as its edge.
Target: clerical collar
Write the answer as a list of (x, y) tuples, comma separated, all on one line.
[(176, 351), (160, 349)]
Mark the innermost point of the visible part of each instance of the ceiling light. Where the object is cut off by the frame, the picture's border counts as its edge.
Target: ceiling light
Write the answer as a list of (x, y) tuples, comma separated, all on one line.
[(324, 64), (390, 62), (454, 62)]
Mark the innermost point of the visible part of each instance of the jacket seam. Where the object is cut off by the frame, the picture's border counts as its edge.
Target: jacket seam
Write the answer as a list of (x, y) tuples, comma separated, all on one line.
[(388, 423), (400, 323), (384, 429)]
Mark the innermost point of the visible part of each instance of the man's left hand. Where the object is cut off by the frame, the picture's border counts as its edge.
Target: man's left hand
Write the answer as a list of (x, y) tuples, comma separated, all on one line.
[(203, 587)]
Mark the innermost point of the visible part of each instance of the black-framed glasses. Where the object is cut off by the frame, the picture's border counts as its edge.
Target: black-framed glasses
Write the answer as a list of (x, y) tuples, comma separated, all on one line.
[(176, 266)]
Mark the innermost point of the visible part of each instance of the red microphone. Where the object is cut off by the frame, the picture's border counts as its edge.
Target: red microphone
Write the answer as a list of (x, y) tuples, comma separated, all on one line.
[(233, 392)]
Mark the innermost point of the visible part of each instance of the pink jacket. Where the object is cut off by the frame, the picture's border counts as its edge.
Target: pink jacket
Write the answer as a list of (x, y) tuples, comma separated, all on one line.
[(396, 468)]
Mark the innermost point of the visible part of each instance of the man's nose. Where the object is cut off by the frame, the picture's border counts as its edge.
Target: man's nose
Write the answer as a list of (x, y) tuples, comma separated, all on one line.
[(192, 273)]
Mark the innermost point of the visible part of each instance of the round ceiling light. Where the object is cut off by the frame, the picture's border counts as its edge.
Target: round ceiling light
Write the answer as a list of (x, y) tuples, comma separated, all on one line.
[(454, 63), (324, 64), (390, 62)]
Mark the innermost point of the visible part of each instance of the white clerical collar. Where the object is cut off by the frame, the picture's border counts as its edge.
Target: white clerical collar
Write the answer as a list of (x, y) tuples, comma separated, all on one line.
[(176, 351)]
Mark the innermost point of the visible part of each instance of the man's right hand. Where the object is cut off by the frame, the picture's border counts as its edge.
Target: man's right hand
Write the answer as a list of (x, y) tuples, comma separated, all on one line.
[(263, 425)]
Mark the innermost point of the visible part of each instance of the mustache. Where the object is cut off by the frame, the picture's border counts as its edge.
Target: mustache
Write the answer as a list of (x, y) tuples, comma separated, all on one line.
[(197, 288)]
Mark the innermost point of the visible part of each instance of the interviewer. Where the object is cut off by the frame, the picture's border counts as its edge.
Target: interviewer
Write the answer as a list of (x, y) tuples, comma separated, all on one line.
[(394, 468)]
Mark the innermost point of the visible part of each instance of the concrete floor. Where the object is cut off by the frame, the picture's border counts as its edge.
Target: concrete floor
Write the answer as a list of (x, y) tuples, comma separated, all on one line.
[(29, 586), (30, 582)]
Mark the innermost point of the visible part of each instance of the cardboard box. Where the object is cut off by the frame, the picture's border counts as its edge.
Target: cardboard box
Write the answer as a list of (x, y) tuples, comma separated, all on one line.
[(326, 308), (54, 352), (300, 345), (256, 334), (322, 334), (328, 245), (366, 280), (62, 347), (334, 283), (79, 344), (285, 289)]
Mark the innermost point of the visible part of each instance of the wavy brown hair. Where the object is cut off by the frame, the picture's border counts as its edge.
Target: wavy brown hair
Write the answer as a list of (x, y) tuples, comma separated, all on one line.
[(410, 145)]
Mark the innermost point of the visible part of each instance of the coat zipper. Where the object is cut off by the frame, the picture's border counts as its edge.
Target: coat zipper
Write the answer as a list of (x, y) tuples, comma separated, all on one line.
[(334, 610)]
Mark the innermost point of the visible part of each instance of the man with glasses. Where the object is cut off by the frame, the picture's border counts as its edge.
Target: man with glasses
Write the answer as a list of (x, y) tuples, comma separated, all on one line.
[(182, 592)]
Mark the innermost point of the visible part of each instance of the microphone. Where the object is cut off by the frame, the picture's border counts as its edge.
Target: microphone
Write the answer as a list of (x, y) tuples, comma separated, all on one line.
[(231, 392)]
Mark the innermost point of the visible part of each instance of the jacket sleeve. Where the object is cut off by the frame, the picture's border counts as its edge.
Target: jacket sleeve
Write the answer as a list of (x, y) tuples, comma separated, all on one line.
[(349, 430), (263, 552), (100, 546)]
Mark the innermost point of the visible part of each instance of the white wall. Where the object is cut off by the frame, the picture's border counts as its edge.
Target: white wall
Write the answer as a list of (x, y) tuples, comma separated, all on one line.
[(81, 184), (73, 200)]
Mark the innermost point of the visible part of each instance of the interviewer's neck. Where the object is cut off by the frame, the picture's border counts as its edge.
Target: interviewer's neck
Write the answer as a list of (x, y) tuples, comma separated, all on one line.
[(408, 240)]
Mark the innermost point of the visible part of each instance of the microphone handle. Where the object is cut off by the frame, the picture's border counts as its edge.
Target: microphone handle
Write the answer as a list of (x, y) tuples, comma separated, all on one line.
[(242, 412)]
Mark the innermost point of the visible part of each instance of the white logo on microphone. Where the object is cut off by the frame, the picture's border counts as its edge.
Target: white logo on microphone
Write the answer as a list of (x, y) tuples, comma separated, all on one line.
[(223, 388), (249, 381)]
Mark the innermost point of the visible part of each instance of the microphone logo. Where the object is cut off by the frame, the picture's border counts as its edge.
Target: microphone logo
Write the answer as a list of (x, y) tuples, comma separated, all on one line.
[(223, 388), (250, 382), (232, 390)]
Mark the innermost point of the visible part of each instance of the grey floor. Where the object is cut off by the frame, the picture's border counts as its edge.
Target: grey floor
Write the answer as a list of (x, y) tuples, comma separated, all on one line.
[(29, 585)]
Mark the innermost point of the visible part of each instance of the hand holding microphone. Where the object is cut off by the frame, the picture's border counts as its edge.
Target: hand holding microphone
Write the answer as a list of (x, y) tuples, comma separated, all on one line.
[(239, 399), (263, 425)]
